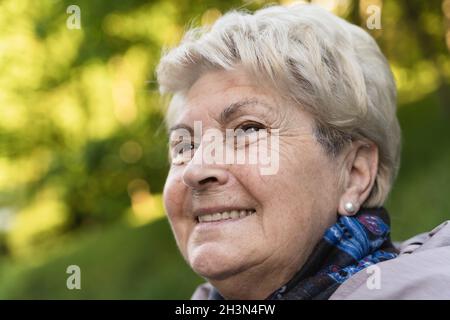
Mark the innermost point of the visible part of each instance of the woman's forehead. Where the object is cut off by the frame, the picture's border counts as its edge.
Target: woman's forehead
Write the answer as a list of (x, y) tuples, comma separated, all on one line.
[(221, 95)]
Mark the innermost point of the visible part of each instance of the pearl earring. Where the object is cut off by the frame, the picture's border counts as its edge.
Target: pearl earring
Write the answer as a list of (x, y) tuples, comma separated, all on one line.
[(349, 207)]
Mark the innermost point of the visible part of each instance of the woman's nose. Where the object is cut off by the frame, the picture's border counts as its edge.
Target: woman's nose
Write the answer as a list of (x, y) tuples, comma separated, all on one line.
[(198, 176)]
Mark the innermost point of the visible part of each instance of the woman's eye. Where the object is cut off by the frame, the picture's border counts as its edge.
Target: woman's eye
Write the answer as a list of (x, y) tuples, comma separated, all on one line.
[(183, 152), (185, 148), (249, 129)]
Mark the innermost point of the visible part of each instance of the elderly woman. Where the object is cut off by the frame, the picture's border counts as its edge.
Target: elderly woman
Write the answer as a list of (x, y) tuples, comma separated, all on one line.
[(314, 227)]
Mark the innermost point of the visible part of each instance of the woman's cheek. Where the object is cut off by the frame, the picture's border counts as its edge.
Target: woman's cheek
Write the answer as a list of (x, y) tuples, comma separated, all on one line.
[(174, 195), (173, 192)]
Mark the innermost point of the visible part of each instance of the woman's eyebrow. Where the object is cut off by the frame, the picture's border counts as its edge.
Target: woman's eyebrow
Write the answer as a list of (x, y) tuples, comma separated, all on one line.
[(236, 107), (227, 114)]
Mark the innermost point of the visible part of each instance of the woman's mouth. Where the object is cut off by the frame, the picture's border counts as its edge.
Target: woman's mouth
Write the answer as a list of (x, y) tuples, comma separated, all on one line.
[(225, 215)]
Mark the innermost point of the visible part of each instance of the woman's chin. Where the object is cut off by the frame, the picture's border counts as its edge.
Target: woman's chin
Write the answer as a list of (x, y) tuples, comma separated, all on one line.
[(213, 263)]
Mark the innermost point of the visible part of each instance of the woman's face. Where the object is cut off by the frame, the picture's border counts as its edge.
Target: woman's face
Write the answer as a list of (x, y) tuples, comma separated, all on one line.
[(277, 218)]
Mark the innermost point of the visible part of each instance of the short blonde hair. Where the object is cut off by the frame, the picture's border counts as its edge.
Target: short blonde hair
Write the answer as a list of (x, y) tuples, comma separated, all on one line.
[(329, 67)]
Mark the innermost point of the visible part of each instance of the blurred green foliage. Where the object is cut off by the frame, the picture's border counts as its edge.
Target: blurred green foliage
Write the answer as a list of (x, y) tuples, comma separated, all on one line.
[(120, 263), (83, 146)]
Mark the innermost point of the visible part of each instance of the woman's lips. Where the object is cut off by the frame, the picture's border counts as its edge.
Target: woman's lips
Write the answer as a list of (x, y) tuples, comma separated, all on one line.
[(225, 215)]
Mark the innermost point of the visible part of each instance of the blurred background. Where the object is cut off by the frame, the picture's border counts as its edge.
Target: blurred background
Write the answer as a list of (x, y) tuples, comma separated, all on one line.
[(83, 146)]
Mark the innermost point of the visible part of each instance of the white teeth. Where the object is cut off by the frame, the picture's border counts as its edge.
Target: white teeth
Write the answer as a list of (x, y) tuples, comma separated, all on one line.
[(234, 214)]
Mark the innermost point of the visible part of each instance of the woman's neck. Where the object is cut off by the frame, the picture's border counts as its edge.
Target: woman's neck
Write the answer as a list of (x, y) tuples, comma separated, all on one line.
[(258, 282)]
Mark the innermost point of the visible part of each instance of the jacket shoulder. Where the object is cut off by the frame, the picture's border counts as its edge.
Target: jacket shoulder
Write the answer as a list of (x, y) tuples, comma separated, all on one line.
[(421, 271), (202, 292)]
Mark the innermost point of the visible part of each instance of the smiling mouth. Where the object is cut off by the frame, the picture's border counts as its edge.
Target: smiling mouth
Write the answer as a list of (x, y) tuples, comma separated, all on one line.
[(225, 215)]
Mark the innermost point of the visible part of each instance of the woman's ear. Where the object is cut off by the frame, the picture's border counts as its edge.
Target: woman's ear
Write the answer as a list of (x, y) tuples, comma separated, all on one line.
[(360, 170)]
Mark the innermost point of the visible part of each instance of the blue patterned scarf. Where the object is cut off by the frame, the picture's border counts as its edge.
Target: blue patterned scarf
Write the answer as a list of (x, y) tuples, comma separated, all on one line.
[(350, 245)]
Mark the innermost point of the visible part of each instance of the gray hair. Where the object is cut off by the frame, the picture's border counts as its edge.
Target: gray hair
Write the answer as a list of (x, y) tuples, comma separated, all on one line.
[(329, 67)]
